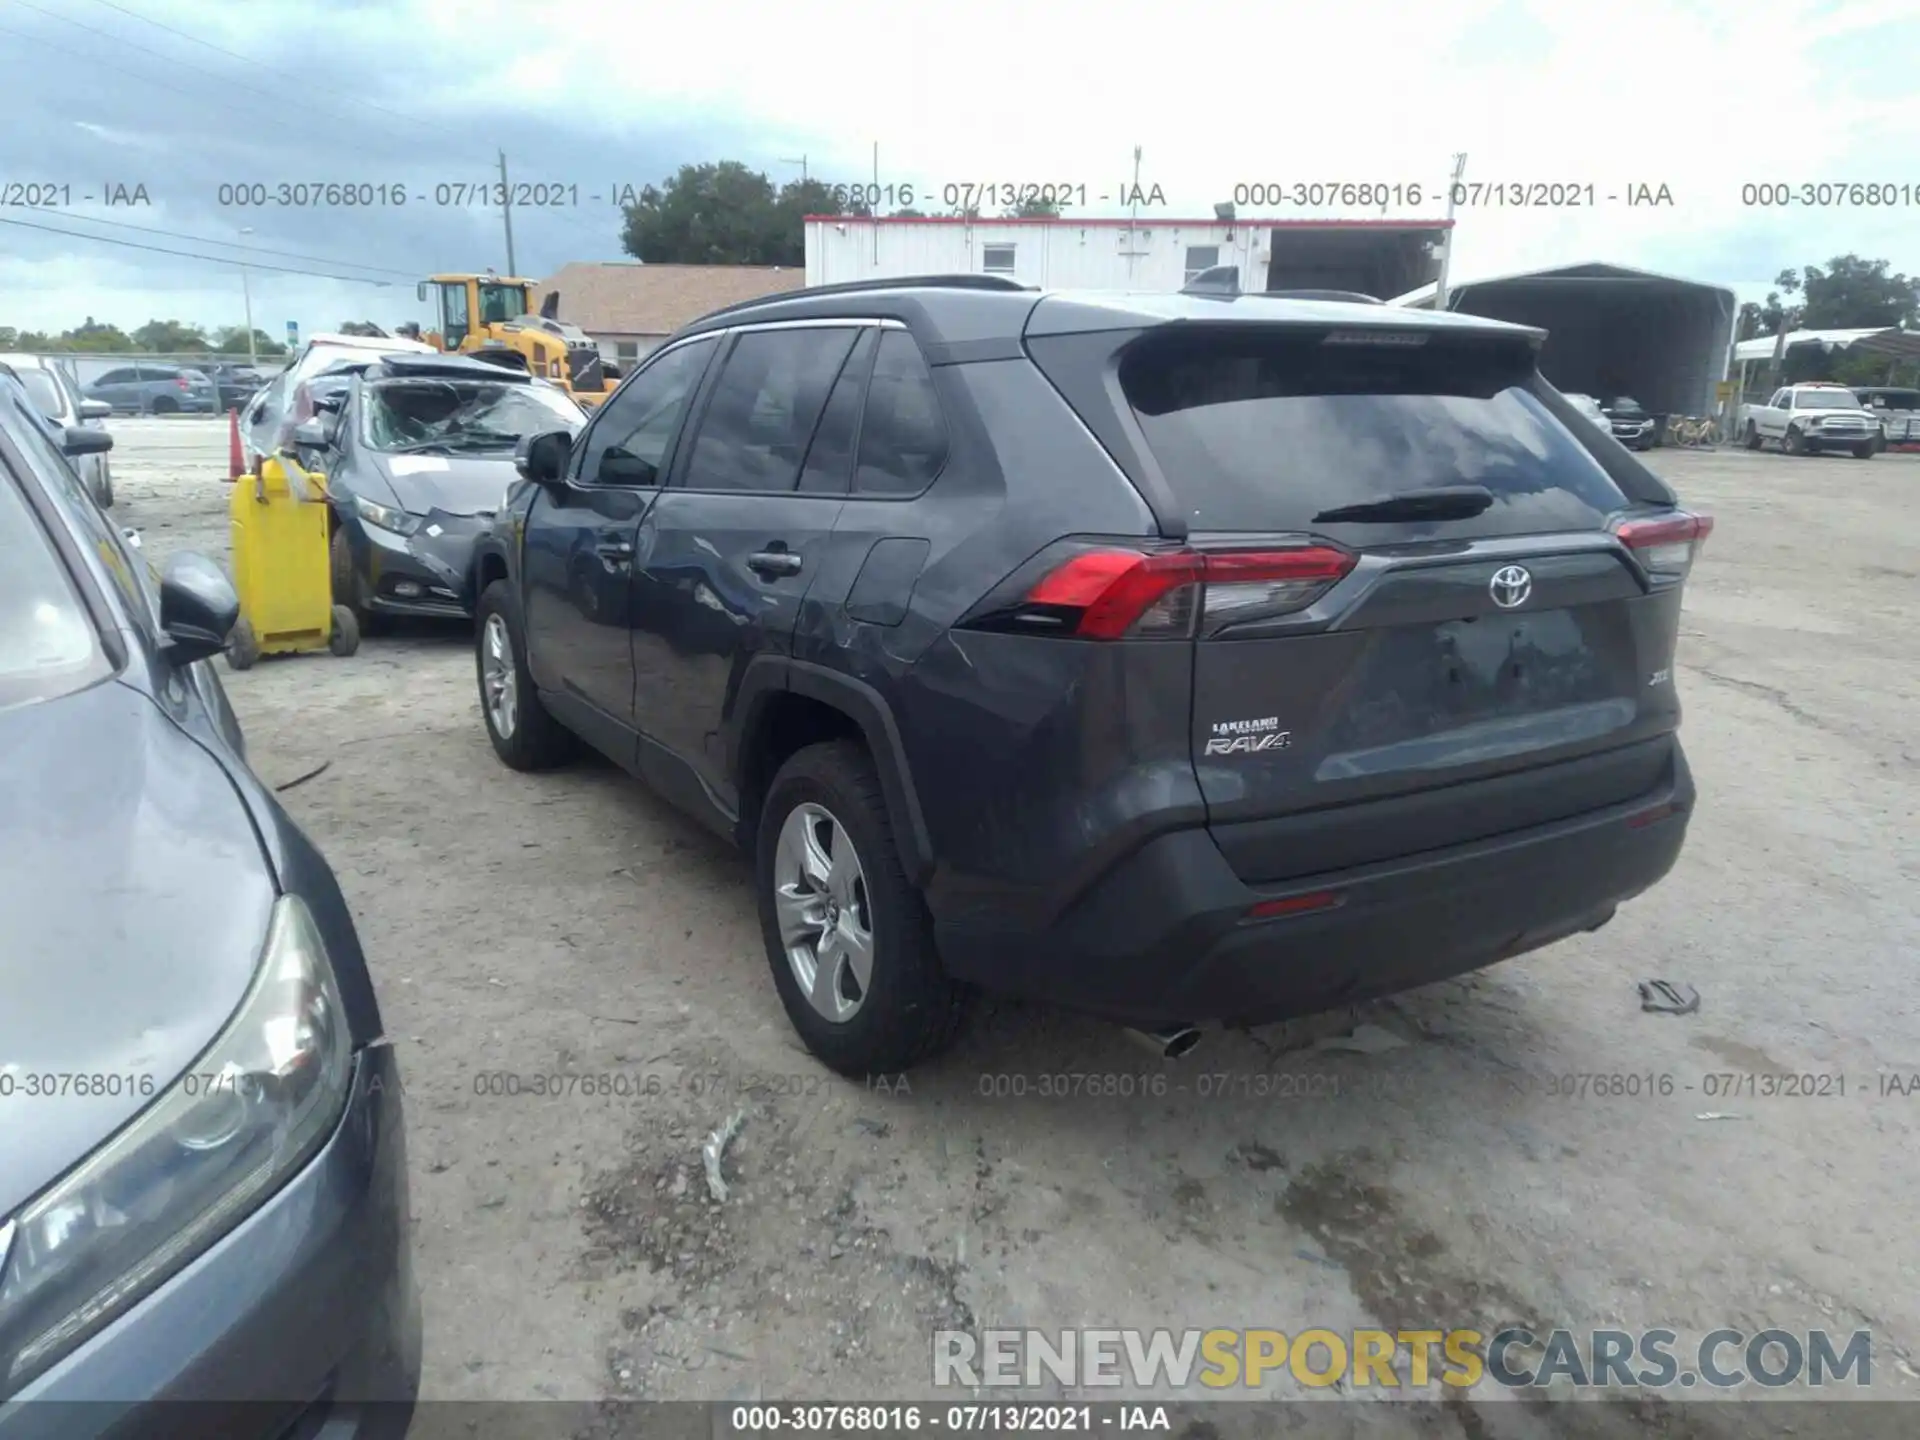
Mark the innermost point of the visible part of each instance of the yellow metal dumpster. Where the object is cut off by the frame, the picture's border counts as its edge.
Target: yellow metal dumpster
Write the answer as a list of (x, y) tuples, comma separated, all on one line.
[(278, 524)]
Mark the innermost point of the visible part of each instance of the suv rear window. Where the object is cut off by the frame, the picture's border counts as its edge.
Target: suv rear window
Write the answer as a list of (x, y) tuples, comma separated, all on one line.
[(1263, 430)]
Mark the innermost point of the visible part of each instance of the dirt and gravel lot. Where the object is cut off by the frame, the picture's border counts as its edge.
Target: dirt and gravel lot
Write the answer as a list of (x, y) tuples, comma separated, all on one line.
[(572, 925)]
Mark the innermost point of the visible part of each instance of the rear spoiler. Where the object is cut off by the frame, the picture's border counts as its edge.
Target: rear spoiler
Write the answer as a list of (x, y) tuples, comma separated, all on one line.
[(1222, 282)]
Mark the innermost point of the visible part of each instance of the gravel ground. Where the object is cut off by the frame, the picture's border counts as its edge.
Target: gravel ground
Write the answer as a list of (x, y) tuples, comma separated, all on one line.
[(572, 924)]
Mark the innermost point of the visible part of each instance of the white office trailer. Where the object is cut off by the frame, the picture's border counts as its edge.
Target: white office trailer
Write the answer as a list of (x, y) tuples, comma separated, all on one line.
[(1375, 257)]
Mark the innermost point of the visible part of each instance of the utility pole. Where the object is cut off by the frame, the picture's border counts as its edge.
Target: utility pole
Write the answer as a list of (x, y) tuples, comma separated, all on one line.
[(1446, 242), (506, 212), (1133, 218), (876, 205), (802, 163)]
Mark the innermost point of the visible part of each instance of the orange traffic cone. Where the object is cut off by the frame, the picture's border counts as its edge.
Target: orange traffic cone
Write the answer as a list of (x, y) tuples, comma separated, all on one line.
[(236, 459)]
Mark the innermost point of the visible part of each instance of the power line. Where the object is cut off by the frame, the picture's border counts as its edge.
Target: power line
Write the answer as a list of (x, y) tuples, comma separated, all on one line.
[(305, 81), (192, 255), (230, 244)]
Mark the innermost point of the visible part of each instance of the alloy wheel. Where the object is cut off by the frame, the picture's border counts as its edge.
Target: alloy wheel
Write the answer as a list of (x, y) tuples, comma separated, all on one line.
[(826, 919), (500, 684)]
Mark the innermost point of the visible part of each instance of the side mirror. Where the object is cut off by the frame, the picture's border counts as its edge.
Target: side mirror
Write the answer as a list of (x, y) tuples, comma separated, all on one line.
[(331, 403), (315, 434), (198, 608), (78, 440), (95, 409), (420, 291), (543, 458)]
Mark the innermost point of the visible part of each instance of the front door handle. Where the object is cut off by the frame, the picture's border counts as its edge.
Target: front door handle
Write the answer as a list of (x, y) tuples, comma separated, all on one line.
[(774, 562), (615, 549)]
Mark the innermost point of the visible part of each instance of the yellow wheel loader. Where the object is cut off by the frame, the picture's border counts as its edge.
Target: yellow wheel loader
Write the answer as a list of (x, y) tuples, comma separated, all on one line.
[(490, 318)]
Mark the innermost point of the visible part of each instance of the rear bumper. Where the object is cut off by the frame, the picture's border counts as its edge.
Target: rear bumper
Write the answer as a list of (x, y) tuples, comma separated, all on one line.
[(1163, 938)]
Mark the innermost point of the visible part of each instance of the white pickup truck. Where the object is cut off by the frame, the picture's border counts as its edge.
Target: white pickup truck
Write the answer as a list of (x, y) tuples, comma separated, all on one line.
[(1806, 419)]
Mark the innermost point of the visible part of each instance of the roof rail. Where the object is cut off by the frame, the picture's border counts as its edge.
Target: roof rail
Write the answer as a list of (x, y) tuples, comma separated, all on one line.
[(898, 282), (1352, 297)]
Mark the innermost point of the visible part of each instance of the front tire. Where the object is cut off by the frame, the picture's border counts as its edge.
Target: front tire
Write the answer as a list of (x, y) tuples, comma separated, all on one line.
[(1794, 443), (103, 489), (848, 937), (1866, 451), (524, 735)]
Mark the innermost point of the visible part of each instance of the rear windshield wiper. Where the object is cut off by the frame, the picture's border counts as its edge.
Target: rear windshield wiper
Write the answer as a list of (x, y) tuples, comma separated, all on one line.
[(1439, 502)]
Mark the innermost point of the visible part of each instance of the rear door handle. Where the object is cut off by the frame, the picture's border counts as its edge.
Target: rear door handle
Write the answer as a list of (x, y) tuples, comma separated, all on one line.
[(774, 562)]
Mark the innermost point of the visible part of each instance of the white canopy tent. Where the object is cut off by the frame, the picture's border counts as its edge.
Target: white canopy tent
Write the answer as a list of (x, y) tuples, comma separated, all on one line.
[(1895, 344)]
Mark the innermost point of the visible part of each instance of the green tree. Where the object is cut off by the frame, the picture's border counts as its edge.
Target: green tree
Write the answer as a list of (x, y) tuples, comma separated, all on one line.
[(1034, 208), (92, 335), (908, 214), (233, 341), (170, 337), (1851, 293), (716, 214)]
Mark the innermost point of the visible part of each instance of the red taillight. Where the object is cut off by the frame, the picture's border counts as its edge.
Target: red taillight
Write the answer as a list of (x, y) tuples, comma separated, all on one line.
[(1106, 594), (1296, 905), (1667, 546), (181, 381)]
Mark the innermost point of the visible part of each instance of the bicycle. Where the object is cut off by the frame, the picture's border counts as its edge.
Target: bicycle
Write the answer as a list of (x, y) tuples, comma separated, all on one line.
[(1694, 434)]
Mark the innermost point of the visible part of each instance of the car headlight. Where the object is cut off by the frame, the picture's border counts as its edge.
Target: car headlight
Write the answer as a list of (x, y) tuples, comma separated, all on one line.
[(216, 1143), (386, 517)]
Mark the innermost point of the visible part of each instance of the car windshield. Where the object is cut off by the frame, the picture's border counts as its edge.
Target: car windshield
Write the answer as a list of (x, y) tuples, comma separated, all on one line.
[(1626, 402), (462, 414), (48, 646), (48, 398), (1829, 397)]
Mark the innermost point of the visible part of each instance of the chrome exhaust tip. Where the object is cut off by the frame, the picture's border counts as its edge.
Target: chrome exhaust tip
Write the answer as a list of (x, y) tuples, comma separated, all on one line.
[(1168, 1044)]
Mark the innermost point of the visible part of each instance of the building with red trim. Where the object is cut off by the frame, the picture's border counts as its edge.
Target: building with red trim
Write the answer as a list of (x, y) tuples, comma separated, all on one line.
[(1380, 257)]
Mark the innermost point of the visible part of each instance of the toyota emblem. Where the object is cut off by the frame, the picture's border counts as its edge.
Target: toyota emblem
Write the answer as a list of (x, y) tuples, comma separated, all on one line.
[(1510, 587)]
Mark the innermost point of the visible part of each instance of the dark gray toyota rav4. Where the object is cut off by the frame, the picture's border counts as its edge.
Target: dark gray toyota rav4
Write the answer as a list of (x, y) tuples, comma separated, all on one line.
[(1173, 657)]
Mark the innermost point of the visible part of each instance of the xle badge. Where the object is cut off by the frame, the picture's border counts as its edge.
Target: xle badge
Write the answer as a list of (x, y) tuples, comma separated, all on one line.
[(1248, 737)]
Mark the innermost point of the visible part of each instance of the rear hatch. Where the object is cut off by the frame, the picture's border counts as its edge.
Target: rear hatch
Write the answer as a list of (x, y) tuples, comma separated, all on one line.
[(1421, 610)]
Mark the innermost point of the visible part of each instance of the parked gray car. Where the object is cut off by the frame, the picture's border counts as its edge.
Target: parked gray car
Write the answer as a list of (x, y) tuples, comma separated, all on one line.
[(147, 388), (58, 399), (203, 1180)]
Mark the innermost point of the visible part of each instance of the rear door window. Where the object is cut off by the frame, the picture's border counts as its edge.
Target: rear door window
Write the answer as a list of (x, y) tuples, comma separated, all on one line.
[(1266, 429), (903, 435), (830, 457), (765, 405)]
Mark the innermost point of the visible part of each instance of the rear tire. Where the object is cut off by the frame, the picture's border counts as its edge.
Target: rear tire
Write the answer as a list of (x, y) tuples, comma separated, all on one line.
[(524, 735), (907, 1010), (163, 405), (103, 492), (243, 647), (1753, 436)]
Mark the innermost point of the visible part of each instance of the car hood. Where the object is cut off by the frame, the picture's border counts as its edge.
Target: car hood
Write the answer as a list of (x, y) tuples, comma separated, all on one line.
[(133, 906), (451, 484)]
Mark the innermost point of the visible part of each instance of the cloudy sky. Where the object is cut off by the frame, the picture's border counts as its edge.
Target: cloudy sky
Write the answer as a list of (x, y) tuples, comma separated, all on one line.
[(185, 96)]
